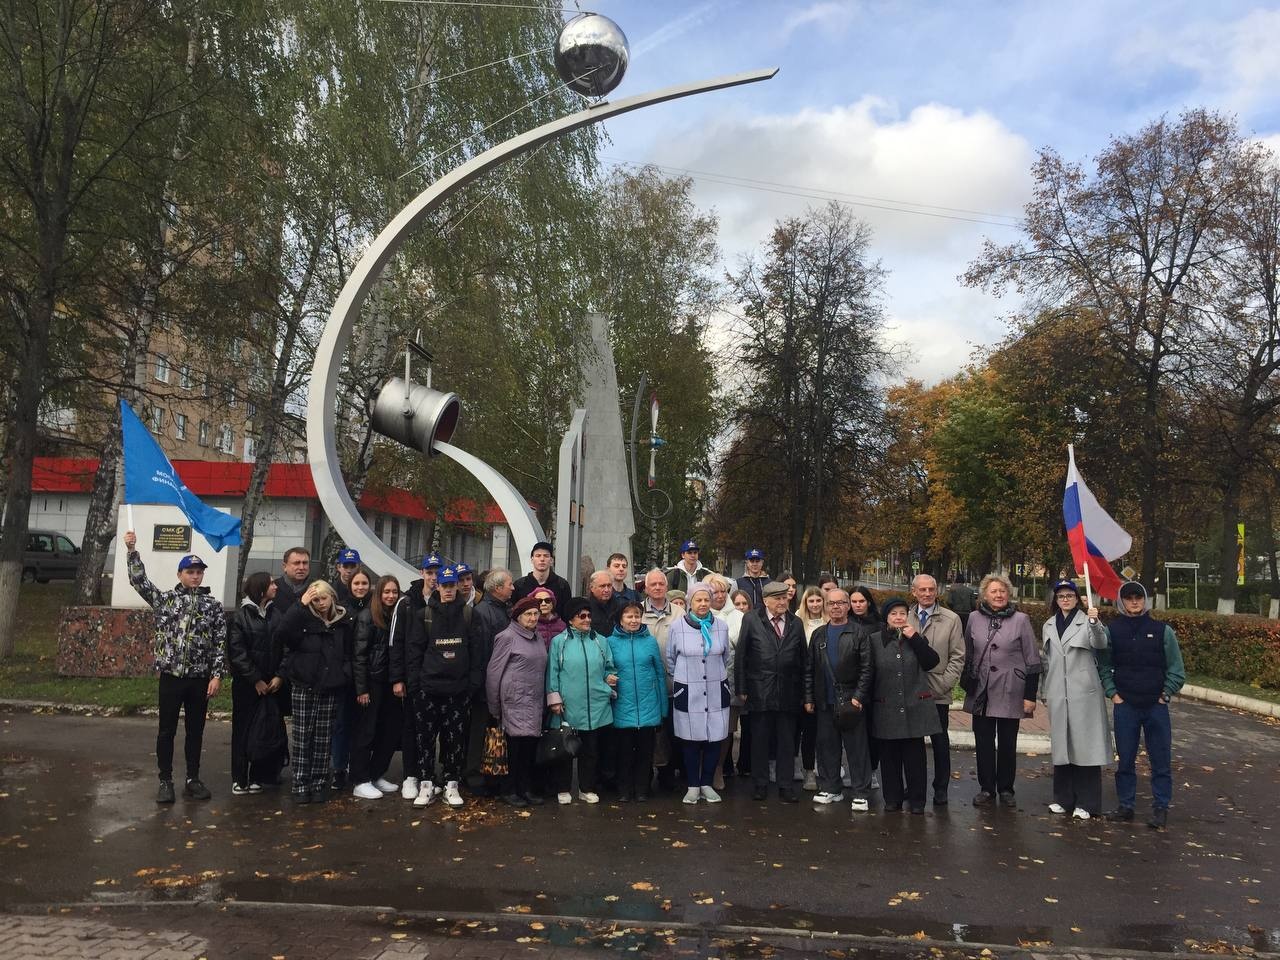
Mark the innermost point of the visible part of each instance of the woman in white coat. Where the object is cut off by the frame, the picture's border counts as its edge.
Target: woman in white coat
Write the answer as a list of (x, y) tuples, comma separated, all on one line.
[(1070, 687), (700, 664)]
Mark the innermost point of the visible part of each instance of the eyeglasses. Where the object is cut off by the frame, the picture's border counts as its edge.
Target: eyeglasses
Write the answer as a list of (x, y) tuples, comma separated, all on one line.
[(839, 603), (579, 616), (545, 600)]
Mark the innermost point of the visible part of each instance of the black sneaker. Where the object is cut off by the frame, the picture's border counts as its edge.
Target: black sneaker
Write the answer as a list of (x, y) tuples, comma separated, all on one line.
[(165, 793), (1121, 815), (788, 795), (939, 799), (1008, 799), (759, 793), (303, 797), (535, 799), (195, 790), (983, 798), (240, 790), (1159, 818)]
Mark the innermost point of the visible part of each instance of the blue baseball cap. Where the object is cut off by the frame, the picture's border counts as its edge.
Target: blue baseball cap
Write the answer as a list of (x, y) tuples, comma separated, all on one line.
[(754, 554), (690, 545), (348, 555), (189, 561), (447, 576), (463, 570), (431, 561)]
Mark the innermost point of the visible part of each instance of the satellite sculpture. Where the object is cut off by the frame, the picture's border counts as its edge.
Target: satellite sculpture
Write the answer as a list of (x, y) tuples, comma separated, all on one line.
[(591, 57)]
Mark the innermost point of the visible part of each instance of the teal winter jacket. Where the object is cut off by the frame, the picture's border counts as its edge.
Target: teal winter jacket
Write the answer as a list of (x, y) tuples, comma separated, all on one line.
[(642, 679), (577, 664)]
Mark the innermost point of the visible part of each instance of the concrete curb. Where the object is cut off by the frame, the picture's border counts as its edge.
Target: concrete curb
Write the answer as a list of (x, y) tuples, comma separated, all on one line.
[(1030, 744), (91, 709), (1262, 708)]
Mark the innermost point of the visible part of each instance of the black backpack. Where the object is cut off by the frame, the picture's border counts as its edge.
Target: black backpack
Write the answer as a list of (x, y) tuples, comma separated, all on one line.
[(267, 737)]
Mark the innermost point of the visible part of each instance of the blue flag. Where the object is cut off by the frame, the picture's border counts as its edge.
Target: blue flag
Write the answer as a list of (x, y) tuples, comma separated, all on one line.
[(149, 477)]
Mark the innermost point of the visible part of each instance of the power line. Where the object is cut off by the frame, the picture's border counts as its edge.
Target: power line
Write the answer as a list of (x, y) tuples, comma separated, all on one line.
[(544, 7), (818, 193)]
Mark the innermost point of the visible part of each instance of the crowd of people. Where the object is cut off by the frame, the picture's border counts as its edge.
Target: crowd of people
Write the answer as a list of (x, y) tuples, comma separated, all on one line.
[(493, 685)]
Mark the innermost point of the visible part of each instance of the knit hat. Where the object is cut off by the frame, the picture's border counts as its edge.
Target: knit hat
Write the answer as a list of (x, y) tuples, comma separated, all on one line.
[(524, 603), (701, 586)]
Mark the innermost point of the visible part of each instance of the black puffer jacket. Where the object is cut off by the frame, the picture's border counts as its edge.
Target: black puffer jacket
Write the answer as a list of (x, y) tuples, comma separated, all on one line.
[(320, 654), (373, 646), (853, 674), (770, 669), (253, 649), (441, 655)]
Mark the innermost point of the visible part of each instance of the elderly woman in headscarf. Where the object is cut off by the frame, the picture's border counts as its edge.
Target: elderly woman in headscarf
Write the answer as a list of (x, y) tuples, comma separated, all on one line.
[(515, 688), (700, 664), (1002, 662), (1078, 729), (549, 622)]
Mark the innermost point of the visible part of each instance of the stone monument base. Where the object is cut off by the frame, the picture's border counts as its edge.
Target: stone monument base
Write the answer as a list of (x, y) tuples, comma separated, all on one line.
[(106, 642)]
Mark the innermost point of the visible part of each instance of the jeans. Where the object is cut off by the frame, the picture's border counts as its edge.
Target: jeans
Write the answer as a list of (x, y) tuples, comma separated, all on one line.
[(1152, 723)]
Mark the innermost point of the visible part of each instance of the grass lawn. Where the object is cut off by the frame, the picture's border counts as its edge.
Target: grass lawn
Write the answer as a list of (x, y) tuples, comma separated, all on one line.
[(1232, 686), (32, 672)]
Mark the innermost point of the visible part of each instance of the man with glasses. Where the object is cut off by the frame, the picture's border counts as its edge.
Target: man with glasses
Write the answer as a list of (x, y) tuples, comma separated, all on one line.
[(945, 634), (838, 669)]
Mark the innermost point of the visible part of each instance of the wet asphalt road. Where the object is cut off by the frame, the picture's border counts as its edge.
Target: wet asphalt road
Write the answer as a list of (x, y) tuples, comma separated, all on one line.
[(78, 824)]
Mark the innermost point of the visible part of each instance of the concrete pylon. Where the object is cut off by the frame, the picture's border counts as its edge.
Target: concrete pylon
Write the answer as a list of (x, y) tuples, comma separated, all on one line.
[(608, 522)]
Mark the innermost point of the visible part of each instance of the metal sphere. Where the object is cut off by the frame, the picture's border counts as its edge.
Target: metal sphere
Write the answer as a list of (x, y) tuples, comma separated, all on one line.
[(592, 54)]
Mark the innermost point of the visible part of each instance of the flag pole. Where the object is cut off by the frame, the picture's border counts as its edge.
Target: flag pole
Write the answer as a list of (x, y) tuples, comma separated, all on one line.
[(1088, 591), (128, 512)]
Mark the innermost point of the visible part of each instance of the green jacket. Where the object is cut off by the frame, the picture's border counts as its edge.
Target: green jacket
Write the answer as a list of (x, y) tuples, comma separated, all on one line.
[(577, 664)]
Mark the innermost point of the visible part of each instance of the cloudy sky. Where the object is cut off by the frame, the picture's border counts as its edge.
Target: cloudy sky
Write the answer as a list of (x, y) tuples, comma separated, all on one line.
[(927, 115)]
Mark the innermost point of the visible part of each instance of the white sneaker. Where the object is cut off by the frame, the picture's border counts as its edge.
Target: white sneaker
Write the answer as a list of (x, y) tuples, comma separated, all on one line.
[(692, 794), (810, 780), (859, 805), (255, 788), (875, 782), (1080, 813), (825, 797), (386, 786), (426, 793), (366, 791), (588, 797), (409, 789), (451, 795), (1057, 808), (564, 798), (709, 794)]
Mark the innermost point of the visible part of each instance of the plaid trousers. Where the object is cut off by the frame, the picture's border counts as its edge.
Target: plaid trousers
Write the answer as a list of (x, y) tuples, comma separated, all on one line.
[(312, 734), (447, 717)]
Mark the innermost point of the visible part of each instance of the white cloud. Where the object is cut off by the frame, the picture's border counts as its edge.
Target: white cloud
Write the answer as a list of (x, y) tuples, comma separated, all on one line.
[(936, 155), (828, 14), (1235, 60), (681, 24)]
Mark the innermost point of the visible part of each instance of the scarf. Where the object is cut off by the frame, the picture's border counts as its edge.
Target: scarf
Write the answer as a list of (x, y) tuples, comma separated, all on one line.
[(705, 626), (1002, 614), (1061, 620)]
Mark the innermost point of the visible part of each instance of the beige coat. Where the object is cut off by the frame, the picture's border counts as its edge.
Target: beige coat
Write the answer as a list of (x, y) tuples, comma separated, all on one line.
[(946, 636)]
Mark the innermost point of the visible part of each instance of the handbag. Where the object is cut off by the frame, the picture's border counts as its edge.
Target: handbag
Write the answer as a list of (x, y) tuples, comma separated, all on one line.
[(267, 739), (847, 716), (494, 761), (556, 744)]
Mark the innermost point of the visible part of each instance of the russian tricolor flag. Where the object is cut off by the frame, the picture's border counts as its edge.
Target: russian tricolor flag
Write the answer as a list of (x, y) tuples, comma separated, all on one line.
[(1094, 537)]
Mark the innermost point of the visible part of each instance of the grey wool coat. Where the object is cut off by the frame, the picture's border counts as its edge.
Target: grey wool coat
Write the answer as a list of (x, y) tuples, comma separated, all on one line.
[(516, 681), (1079, 728), (700, 680), (901, 699)]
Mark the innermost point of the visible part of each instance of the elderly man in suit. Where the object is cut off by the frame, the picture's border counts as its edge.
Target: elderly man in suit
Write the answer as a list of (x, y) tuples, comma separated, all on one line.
[(945, 634)]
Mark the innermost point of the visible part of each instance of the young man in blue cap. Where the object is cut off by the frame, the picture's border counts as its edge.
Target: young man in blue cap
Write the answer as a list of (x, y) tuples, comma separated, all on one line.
[(466, 583), (1141, 671), (347, 564), (755, 578), (418, 594), (191, 637), (688, 571)]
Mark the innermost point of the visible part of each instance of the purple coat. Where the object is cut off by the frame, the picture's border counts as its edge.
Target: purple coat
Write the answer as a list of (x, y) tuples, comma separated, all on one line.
[(516, 681), (1006, 661)]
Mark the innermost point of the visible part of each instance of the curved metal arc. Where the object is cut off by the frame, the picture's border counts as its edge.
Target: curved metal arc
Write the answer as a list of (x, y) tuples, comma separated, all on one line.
[(322, 445)]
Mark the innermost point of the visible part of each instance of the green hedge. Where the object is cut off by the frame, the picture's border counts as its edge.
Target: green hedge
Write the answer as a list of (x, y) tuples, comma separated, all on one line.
[(1243, 648)]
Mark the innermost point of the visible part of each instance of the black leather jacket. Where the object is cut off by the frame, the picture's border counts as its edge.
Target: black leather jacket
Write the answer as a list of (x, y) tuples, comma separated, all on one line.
[(853, 673), (770, 669)]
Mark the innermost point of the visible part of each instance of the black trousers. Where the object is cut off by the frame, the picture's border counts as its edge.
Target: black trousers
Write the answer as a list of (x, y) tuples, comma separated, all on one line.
[(190, 695), (244, 704), (941, 743), (832, 742), (776, 728), (588, 758), (634, 758), (744, 744), (1075, 786), (808, 737), (521, 753), (408, 737), (903, 772), (997, 764), (376, 732)]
